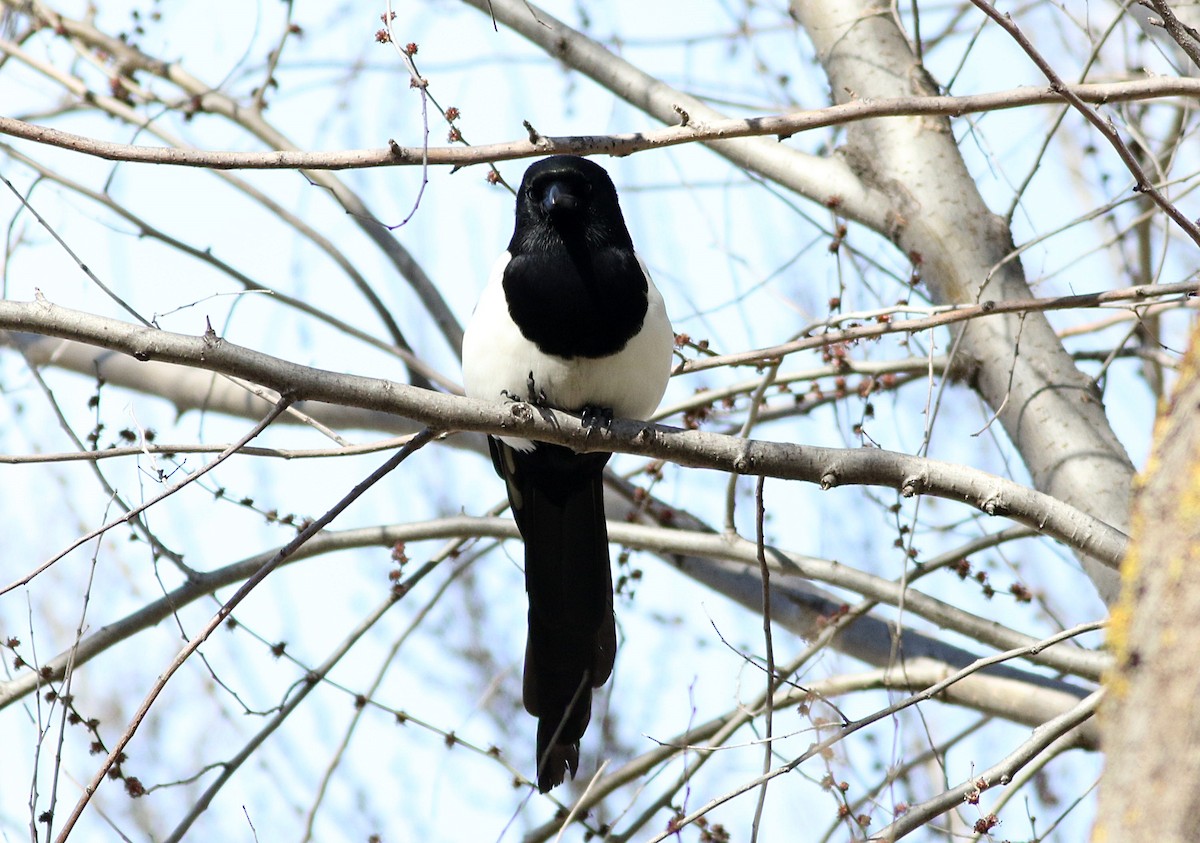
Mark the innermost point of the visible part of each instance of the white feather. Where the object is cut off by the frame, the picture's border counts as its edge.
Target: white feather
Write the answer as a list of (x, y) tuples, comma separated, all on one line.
[(498, 359)]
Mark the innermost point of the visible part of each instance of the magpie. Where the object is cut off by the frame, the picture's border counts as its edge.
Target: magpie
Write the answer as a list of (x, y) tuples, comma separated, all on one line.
[(569, 319)]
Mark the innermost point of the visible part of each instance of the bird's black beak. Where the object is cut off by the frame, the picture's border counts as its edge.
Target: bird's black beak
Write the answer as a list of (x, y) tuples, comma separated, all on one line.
[(558, 199)]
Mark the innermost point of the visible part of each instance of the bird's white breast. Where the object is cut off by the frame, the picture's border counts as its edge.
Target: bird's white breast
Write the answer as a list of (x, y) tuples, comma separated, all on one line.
[(498, 359)]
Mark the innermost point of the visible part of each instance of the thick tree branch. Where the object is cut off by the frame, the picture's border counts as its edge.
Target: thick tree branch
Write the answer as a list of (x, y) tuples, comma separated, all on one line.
[(1036, 707), (1150, 727), (192, 389), (825, 466), (937, 216), (189, 389)]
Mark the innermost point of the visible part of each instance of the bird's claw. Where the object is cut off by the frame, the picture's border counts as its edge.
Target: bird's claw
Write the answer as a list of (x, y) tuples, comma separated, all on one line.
[(537, 397), (594, 417)]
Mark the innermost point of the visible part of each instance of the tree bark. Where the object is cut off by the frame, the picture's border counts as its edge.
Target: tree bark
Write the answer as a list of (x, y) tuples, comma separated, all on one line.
[(1049, 409), (1151, 786)]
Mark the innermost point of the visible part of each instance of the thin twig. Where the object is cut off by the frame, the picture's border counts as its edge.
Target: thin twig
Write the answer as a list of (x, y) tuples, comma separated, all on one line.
[(1105, 127), (1074, 717), (769, 696), (133, 512), (83, 267), (449, 551), (944, 315), (1185, 36), (226, 609), (416, 80)]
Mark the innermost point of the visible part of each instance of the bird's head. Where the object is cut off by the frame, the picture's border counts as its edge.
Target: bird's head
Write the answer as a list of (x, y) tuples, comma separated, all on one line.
[(570, 193)]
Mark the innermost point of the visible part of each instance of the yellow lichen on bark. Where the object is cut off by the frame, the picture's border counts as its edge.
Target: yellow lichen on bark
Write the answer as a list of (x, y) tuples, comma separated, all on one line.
[(1151, 785)]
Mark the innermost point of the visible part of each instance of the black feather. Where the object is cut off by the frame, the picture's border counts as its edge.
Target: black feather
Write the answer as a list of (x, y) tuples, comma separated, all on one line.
[(557, 501), (574, 285), (573, 303)]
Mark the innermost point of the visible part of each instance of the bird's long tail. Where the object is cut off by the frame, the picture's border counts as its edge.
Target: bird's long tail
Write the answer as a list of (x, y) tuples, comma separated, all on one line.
[(557, 499)]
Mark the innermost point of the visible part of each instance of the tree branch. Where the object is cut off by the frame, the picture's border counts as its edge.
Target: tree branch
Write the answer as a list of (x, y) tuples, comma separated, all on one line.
[(999, 773), (620, 144), (724, 565), (943, 316), (937, 216), (209, 99), (827, 467), (1181, 33), (1104, 127)]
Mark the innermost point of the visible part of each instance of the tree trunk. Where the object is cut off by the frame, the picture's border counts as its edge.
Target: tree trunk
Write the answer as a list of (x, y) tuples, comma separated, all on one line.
[(1151, 786), (1048, 408)]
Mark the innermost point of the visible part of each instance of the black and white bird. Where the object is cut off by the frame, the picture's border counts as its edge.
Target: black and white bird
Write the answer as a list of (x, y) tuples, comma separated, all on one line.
[(569, 319)]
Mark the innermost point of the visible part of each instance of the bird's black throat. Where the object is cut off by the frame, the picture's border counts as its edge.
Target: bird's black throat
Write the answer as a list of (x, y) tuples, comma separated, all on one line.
[(574, 285), (571, 295)]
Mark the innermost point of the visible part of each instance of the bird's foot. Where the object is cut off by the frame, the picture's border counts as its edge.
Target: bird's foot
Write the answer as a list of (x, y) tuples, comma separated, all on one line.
[(594, 417), (537, 397)]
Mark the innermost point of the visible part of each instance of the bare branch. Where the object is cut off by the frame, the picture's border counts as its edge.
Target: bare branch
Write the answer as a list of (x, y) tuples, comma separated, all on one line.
[(946, 315), (194, 448), (226, 608), (620, 144), (1181, 33), (826, 467), (670, 543), (1000, 773), (1105, 127)]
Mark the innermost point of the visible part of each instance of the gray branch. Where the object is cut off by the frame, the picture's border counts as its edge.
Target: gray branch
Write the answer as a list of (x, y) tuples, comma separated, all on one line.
[(936, 215), (827, 467)]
